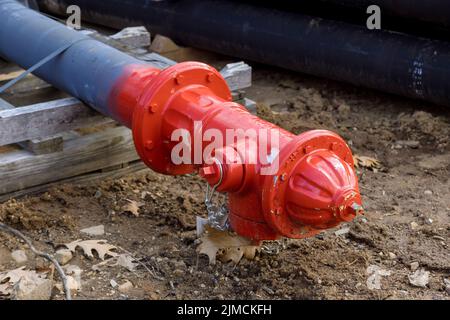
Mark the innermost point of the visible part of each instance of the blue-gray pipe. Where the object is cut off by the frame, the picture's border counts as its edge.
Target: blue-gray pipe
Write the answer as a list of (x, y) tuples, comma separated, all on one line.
[(88, 70)]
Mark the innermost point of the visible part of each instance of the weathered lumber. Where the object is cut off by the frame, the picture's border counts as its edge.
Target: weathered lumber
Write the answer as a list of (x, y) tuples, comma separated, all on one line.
[(44, 120), (39, 145), (21, 169), (134, 167), (238, 75)]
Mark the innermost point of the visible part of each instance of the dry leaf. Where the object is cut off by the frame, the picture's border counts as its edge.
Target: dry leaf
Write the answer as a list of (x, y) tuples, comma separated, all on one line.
[(236, 254), (127, 261), (366, 162), (124, 260), (375, 274), (73, 274), (72, 283), (132, 207), (227, 246), (9, 279), (89, 246)]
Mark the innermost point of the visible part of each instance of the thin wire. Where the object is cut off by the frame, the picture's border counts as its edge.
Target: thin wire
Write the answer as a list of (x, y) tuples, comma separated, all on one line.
[(48, 58), (61, 273)]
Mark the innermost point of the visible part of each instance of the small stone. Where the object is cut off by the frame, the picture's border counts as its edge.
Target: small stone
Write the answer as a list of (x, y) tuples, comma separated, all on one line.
[(161, 44), (196, 292), (125, 287), (113, 283), (268, 290), (447, 286), (408, 143), (420, 278), (429, 221), (33, 289), (97, 194), (178, 273), (19, 256), (344, 109), (94, 231), (73, 284), (392, 255), (202, 286), (428, 192), (414, 266), (63, 256), (414, 225), (375, 274), (179, 264), (342, 231), (250, 105), (73, 273)]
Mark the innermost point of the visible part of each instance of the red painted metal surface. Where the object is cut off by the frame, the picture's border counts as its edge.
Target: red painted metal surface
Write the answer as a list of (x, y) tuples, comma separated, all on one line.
[(313, 188)]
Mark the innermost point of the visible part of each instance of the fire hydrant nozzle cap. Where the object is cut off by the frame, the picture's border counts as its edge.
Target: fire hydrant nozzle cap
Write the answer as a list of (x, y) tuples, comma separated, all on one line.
[(320, 188)]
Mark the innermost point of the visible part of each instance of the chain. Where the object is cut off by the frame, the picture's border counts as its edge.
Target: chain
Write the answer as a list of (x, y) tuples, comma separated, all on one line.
[(217, 214)]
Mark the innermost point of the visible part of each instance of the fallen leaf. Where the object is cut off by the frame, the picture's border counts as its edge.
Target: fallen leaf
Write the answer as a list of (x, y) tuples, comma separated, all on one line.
[(375, 274), (124, 260), (132, 207), (226, 246), (236, 254), (127, 261), (366, 162), (10, 279), (420, 278), (102, 248), (73, 285)]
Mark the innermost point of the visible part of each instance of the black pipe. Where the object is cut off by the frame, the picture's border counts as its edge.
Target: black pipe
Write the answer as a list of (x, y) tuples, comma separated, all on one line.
[(431, 11), (429, 19), (391, 62), (435, 12)]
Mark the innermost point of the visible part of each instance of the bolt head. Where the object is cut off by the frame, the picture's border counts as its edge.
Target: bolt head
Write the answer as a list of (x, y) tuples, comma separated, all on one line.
[(210, 77), (153, 108), (308, 149), (179, 79), (207, 171), (149, 145)]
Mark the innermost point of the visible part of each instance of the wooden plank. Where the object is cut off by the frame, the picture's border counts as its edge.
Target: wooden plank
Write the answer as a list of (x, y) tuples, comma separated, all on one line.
[(135, 37), (45, 119), (44, 145), (238, 75), (5, 105), (29, 84), (135, 167), (40, 145), (10, 76), (84, 154)]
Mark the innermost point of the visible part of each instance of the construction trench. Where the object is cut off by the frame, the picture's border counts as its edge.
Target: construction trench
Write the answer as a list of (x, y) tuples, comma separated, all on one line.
[(314, 194)]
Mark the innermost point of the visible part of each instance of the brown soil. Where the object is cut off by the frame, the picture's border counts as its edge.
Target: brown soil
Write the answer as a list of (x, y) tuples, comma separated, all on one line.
[(412, 188)]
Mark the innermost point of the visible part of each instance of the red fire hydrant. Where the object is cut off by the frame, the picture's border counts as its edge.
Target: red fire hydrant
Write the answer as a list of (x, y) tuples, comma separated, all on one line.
[(297, 187)]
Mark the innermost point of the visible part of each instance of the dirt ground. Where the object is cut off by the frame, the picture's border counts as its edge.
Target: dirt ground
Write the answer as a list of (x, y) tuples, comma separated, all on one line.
[(406, 225)]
